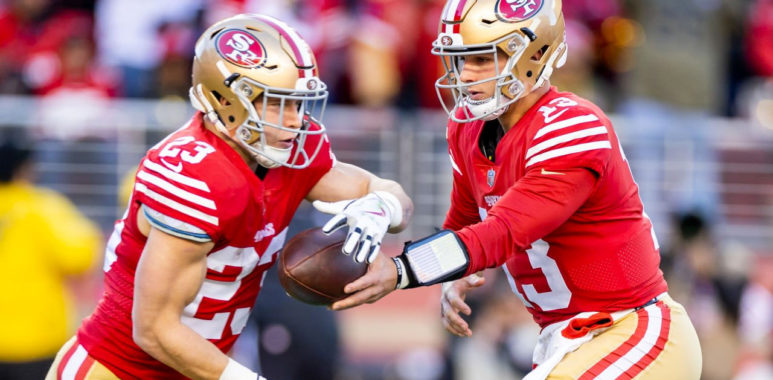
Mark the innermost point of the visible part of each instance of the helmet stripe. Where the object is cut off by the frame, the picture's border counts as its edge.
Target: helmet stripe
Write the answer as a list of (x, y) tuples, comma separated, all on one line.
[(453, 14), (300, 48)]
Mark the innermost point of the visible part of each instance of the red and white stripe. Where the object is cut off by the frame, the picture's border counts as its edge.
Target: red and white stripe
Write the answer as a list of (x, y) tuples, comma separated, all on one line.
[(301, 50), (173, 190), (177, 177), (567, 137), (75, 364), (640, 350), (176, 191), (452, 14)]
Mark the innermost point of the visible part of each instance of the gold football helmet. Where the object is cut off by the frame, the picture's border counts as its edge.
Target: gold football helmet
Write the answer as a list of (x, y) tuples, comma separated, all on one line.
[(517, 28), (253, 57)]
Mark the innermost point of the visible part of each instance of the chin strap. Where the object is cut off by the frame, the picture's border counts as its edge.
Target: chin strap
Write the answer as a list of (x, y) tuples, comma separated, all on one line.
[(437, 258)]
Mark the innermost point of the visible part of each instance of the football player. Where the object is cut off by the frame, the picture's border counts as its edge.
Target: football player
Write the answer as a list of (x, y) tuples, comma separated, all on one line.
[(210, 209), (541, 188)]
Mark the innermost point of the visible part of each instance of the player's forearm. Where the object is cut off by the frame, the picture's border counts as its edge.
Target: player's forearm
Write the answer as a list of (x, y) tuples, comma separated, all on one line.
[(394, 188), (179, 347)]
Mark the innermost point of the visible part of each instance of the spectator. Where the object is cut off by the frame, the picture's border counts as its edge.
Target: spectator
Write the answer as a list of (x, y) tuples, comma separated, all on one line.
[(759, 38), (756, 323), (128, 38), (709, 293), (43, 241)]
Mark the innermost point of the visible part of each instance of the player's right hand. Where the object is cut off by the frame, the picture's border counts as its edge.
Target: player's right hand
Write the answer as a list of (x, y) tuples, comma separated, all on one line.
[(452, 303)]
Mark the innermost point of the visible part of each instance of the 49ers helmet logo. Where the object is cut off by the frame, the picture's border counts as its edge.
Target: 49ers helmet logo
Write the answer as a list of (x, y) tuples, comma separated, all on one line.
[(518, 10), (240, 48)]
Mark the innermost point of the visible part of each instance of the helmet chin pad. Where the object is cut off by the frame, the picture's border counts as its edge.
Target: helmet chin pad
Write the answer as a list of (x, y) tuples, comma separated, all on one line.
[(486, 110)]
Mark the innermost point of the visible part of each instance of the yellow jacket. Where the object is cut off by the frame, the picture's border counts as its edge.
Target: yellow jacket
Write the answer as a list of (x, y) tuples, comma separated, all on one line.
[(43, 239)]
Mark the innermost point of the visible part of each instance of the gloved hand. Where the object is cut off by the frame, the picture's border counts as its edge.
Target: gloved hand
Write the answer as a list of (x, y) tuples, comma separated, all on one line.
[(368, 218)]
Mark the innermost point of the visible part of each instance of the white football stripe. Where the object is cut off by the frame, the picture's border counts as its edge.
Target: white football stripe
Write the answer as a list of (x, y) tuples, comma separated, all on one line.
[(565, 123), (74, 364), (175, 205), (564, 138), (185, 180), (172, 189), (636, 353), (569, 150)]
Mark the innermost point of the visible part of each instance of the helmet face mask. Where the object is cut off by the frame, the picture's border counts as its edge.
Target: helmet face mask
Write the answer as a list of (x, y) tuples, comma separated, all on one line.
[(512, 30), (244, 67)]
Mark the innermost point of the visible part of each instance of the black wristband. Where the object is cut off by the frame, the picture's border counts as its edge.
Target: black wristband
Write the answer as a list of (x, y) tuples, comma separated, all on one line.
[(399, 266)]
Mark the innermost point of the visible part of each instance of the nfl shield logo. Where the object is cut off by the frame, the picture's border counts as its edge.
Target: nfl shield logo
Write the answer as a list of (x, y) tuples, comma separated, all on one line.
[(490, 177)]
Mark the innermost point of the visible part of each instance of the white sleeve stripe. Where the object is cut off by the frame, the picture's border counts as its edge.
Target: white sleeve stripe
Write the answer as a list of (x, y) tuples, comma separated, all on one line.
[(185, 180), (175, 205), (188, 196), (565, 123), (565, 138), (569, 150)]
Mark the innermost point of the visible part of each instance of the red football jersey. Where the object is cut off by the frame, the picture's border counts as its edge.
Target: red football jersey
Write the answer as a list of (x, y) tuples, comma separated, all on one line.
[(194, 185), (562, 258)]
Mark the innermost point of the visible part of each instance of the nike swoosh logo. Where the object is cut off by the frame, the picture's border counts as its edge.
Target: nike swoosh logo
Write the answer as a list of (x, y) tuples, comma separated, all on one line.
[(547, 172), (549, 119), (380, 213), (176, 168)]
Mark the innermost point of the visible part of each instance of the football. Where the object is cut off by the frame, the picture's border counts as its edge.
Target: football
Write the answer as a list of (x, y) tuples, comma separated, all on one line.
[(313, 269)]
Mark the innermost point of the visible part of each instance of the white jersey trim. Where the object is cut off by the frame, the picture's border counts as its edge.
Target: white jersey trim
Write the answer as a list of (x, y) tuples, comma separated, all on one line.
[(185, 180), (172, 189), (564, 124), (569, 150), (142, 188), (601, 130)]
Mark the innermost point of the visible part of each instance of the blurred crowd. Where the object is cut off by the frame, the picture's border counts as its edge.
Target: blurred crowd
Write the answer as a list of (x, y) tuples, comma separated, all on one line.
[(659, 59), (709, 56)]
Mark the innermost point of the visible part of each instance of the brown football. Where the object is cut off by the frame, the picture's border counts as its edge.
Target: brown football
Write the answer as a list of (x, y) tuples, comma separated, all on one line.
[(313, 269)]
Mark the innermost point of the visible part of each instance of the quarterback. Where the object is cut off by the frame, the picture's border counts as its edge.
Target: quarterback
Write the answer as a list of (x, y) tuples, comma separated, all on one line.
[(210, 209), (541, 188)]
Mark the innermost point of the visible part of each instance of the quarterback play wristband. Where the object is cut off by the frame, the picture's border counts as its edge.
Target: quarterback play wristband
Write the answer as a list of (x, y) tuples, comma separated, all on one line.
[(437, 258)]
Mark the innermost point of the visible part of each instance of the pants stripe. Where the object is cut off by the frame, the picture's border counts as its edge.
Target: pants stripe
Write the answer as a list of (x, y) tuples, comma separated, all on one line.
[(65, 360), (73, 365), (85, 367), (656, 349), (624, 348), (641, 349)]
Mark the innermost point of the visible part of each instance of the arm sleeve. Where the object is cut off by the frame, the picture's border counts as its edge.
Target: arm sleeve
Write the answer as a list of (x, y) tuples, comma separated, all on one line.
[(194, 204), (535, 206)]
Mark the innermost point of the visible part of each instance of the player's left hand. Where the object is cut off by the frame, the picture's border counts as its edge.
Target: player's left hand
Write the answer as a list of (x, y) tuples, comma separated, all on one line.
[(368, 218), (380, 280), (452, 303)]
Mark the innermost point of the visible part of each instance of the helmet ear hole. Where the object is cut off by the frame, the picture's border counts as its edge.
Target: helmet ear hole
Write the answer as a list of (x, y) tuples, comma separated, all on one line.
[(231, 119), (539, 55)]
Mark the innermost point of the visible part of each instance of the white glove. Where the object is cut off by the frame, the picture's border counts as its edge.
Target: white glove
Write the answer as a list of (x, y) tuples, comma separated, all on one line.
[(368, 218)]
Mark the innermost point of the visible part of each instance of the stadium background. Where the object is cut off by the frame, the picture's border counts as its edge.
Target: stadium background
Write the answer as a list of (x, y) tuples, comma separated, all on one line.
[(689, 85)]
